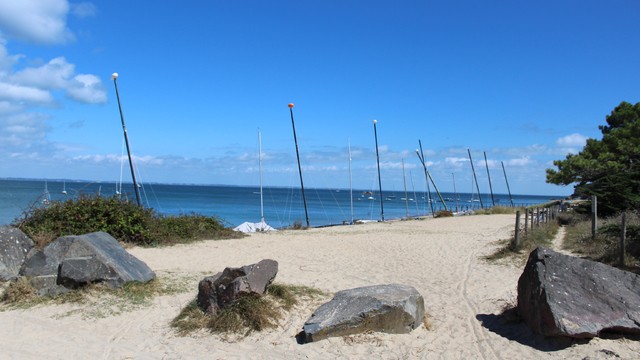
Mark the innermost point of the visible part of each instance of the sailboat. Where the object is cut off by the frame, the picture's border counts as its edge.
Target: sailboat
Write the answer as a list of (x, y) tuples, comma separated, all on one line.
[(249, 227), (46, 197), (64, 187)]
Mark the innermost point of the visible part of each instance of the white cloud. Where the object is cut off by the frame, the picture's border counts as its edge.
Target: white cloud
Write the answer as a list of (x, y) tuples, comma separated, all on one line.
[(523, 161), (53, 75), (25, 88), (37, 21), (573, 140), (20, 93), (571, 144), (87, 88), (457, 161), (22, 132)]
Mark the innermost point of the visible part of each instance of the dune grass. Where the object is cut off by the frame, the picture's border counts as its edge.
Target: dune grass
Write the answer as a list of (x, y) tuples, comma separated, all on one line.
[(541, 235), (247, 314), (605, 246), (96, 300)]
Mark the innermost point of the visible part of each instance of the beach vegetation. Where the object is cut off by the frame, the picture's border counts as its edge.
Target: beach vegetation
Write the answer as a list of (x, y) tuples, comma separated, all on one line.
[(443, 213), (120, 218), (496, 210), (297, 225), (608, 168), (605, 247), (540, 235), (247, 314), (98, 300)]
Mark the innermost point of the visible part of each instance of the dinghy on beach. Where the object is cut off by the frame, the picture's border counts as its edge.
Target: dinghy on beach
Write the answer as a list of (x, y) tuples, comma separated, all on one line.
[(249, 227)]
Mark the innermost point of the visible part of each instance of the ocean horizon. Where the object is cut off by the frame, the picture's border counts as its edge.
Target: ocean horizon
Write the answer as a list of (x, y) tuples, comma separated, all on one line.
[(233, 204)]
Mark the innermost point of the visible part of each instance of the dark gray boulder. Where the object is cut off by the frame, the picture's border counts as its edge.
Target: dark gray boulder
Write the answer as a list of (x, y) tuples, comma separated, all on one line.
[(561, 295), (215, 292), (76, 261), (14, 246), (393, 308)]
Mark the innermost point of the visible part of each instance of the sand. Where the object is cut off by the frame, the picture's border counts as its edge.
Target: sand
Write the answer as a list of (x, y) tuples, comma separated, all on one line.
[(442, 258)]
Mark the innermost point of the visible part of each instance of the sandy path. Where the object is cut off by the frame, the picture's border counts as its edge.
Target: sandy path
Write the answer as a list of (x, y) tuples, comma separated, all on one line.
[(442, 258)]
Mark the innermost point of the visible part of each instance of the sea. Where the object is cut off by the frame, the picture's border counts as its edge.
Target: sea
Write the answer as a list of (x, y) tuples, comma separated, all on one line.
[(232, 205)]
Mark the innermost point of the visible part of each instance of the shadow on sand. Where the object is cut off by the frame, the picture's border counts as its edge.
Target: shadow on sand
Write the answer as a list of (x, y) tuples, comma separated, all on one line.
[(509, 326)]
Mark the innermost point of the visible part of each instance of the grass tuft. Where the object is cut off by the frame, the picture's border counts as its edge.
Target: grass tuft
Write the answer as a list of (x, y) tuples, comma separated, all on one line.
[(247, 314), (98, 300), (18, 292)]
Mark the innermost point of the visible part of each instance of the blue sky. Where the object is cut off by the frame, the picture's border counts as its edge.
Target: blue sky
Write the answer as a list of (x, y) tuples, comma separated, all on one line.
[(525, 82)]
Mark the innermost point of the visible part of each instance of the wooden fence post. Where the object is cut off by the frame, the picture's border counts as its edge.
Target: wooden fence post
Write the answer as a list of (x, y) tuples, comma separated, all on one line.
[(623, 238), (526, 222), (516, 237), (532, 222), (594, 216)]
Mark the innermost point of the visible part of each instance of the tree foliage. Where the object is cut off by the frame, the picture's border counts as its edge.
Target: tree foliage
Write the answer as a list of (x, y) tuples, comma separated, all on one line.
[(608, 168)]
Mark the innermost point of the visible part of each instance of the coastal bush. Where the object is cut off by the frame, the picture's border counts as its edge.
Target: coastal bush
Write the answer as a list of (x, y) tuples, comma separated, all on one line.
[(247, 314), (118, 217), (443, 213)]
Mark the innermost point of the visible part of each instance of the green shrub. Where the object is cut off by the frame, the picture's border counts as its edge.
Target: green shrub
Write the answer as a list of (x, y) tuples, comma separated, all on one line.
[(118, 217), (443, 213)]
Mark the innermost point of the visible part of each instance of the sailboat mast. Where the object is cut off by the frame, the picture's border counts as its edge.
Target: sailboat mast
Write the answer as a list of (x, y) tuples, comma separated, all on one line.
[(295, 140), (486, 163), (473, 170), (260, 169), (507, 180), (375, 133), (114, 76), (350, 183), (404, 179), (455, 194)]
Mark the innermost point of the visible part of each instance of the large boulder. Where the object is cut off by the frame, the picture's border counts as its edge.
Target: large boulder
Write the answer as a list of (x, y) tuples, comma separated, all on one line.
[(71, 262), (14, 246), (394, 309), (215, 292), (561, 295)]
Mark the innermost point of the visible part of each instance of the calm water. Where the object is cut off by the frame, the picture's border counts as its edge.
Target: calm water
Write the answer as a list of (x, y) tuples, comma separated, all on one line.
[(234, 205)]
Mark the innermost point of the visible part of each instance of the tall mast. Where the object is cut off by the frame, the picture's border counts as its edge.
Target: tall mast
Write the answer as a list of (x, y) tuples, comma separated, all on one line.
[(295, 140), (426, 172), (114, 76), (404, 179), (493, 201), (475, 179), (455, 194), (260, 168), (505, 179), (375, 132), (350, 183)]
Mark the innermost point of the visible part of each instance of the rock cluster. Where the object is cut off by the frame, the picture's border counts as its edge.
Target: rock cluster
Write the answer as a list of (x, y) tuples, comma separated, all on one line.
[(71, 262)]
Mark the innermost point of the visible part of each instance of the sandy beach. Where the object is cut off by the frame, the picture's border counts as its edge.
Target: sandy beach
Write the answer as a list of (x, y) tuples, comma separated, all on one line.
[(441, 258)]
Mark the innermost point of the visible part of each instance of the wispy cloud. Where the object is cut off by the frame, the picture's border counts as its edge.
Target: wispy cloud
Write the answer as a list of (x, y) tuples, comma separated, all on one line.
[(36, 21), (25, 88), (571, 143)]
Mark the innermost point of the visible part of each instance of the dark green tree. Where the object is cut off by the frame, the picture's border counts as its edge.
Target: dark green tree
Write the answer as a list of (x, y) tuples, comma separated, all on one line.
[(608, 168)]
